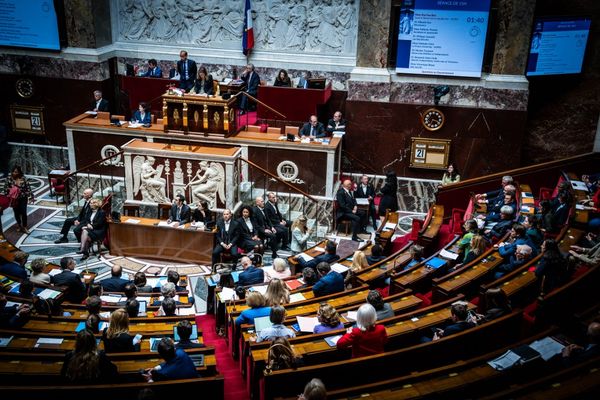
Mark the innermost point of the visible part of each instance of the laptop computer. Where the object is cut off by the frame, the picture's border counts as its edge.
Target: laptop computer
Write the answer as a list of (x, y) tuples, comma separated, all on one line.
[(193, 336), (142, 310), (261, 323)]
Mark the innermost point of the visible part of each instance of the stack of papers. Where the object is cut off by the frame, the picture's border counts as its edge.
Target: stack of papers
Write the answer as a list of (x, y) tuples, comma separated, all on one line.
[(319, 248), (260, 289), (165, 223), (295, 297), (339, 268), (352, 315), (111, 298), (294, 284), (547, 347), (134, 125)]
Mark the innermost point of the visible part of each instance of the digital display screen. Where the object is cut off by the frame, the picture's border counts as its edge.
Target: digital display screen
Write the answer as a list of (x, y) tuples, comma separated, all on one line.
[(442, 37), (29, 23), (558, 45)]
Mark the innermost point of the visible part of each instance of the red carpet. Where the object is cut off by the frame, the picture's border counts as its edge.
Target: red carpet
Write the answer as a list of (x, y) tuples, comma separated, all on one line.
[(235, 386)]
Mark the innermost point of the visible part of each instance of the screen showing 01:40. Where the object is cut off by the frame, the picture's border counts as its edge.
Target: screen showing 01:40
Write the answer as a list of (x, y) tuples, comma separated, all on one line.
[(442, 37), (29, 23), (558, 46)]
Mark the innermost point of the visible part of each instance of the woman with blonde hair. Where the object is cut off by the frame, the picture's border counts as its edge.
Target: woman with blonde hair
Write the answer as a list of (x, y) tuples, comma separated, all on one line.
[(300, 234), (368, 338), (282, 356), (280, 270), (329, 319), (95, 228), (359, 261), (116, 337), (277, 293), (258, 308), (86, 364), (38, 275)]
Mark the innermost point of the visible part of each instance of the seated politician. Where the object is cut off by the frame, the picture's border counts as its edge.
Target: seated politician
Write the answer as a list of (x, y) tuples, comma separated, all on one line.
[(227, 237), (202, 213), (303, 81), (177, 364), (248, 230), (251, 274), (84, 214), (347, 209), (142, 115), (203, 84), (154, 70), (313, 128), (329, 257), (282, 79), (180, 212), (330, 281), (336, 124), (94, 229)]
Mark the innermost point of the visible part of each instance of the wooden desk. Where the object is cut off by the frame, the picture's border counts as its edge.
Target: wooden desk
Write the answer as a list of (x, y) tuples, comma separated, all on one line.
[(146, 240)]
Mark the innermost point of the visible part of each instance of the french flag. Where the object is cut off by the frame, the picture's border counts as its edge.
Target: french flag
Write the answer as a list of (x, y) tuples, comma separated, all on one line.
[(248, 37)]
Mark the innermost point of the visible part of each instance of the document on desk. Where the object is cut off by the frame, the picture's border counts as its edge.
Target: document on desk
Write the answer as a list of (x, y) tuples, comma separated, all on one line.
[(332, 340), (132, 221), (91, 113), (48, 341), (4, 342), (305, 257), (339, 268), (295, 297), (307, 324), (262, 289), (547, 347), (134, 125), (167, 224), (388, 226), (362, 201), (448, 254), (352, 315), (579, 185), (113, 299), (226, 294), (505, 361), (48, 294)]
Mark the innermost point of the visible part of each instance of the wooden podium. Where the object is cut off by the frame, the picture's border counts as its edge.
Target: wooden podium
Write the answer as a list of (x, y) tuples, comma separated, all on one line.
[(198, 114)]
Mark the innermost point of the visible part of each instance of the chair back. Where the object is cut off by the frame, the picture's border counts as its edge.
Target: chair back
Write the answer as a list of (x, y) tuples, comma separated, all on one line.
[(163, 211)]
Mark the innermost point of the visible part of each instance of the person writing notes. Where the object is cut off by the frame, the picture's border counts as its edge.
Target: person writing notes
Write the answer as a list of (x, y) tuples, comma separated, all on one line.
[(142, 115), (204, 83), (313, 128)]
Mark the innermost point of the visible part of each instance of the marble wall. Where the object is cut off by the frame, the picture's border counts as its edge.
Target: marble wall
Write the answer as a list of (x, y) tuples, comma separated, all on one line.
[(53, 67), (88, 23), (373, 33), (512, 40), (37, 160)]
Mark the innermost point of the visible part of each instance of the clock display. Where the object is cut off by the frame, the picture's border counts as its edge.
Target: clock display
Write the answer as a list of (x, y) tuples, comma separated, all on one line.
[(24, 88), (432, 119)]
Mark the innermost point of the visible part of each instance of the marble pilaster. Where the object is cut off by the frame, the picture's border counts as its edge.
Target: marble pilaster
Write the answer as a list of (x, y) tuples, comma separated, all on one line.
[(512, 38), (88, 23), (373, 33)]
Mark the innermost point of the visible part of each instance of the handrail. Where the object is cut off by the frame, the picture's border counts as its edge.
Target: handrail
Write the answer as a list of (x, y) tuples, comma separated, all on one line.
[(94, 163), (264, 171)]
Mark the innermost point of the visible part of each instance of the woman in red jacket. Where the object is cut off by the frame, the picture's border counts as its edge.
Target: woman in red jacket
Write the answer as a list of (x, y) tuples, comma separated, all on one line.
[(367, 338)]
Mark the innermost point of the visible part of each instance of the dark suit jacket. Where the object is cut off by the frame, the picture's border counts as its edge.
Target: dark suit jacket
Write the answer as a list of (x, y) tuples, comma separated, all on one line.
[(192, 70), (345, 202), (154, 73), (262, 221), (85, 212), (273, 214), (180, 367), (251, 276), (325, 257), (319, 130), (208, 85), (184, 215), (198, 217), (102, 107), (500, 229), (119, 344), (244, 231), (457, 327), (252, 83), (14, 269), (331, 283), (99, 225), (360, 194), (76, 289), (227, 237), (113, 284), (341, 126), (137, 117)]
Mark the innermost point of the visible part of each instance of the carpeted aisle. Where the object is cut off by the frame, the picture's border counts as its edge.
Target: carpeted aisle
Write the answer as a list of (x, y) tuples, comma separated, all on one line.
[(235, 386)]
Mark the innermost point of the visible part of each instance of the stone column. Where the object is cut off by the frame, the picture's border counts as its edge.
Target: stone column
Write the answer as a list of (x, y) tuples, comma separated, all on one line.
[(88, 23), (373, 33), (512, 36)]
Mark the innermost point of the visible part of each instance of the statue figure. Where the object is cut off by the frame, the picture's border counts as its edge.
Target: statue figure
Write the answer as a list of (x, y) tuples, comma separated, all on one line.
[(208, 182), (148, 180)]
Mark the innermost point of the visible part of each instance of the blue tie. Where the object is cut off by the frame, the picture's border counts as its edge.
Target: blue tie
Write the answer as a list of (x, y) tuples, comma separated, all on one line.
[(185, 70)]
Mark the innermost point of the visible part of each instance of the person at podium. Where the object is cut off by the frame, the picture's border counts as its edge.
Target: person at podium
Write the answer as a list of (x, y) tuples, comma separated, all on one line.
[(313, 128), (154, 70), (99, 104), (336, 124), (142, 115), (251, 80), (187, 70), (203, 84), (283, 79)]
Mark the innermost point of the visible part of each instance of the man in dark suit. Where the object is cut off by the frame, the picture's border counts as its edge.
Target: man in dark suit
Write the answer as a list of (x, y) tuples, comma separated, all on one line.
[(177, 365), (313, 128), (84, 215), (329, 257), (76, 289), (347, 209), (330, 281), (252, 81), (336, 124), (184, 330), (99, 104), (502, 227), (180, 212), (115, 283), (226, 238), (154, 70), (16, 268), (187, 70), (366, 191), (281, 225), (251, 275), (265, 229)]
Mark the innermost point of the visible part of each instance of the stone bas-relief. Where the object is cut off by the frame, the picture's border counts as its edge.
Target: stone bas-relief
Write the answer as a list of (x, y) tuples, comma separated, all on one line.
[(310, 26), (148, 180), (207, 183)]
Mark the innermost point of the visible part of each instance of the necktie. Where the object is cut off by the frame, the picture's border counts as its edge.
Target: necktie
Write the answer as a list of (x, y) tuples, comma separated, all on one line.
[(185, 70), (312, 131), (178, 213), (305, 84)]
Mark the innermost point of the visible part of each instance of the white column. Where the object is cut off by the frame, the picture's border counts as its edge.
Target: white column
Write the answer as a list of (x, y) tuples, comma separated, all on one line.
[(128, 176), (71, 149), (330, 174)]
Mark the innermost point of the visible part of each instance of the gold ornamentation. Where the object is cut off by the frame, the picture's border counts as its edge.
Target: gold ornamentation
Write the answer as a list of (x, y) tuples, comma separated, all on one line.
[(216, 118), (176, 116)]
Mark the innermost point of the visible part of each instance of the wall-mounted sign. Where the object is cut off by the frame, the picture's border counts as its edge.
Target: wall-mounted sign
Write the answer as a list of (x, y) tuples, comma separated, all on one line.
[(429, 153), (27, 119)]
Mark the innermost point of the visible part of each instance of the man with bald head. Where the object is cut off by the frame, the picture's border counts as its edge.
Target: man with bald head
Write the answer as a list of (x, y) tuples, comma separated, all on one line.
[(251, 274), (348, 210), (313, 128), (83, 216), (227, 237), (115, 283)]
